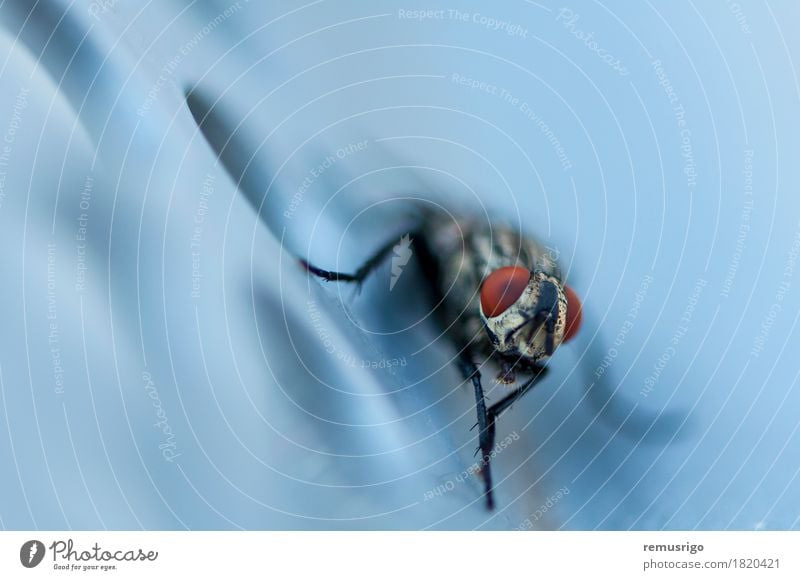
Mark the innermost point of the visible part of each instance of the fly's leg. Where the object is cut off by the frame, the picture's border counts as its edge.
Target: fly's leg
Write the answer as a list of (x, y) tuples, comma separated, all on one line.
[(486, 429), (487, 419), (503, 404), (359, 275)]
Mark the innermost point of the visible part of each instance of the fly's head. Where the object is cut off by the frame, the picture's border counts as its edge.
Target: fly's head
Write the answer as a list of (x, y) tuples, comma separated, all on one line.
[(528, 314)]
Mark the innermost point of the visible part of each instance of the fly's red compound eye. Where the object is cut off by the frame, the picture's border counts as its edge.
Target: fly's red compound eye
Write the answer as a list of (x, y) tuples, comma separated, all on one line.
[(502, 288), (574, 313)]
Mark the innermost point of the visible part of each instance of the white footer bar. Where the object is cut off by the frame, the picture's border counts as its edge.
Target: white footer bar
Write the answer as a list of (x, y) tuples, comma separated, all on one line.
[(402, 555)]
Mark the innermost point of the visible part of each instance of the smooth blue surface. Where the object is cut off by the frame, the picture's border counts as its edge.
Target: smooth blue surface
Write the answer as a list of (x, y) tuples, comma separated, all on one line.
[(654, 146)]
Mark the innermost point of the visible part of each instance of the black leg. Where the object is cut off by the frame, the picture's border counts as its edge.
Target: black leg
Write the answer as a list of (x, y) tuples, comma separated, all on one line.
[(487, 420), (358, 277), (503, 404), (486, 433)]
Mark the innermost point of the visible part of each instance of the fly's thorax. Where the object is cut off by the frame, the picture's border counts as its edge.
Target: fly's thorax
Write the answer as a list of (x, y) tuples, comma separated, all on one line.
[(519, 330)]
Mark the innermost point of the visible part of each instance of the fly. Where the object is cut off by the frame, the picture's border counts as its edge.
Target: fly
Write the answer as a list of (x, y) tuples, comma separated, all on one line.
[(500, 296)]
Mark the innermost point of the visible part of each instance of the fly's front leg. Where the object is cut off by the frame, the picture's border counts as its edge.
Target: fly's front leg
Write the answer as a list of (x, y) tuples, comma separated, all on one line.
[(503, 404), (487, 419), (359, 275), (486, 429)]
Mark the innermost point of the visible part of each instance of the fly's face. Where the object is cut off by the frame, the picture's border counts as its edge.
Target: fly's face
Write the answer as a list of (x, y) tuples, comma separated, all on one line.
[(528, 314)]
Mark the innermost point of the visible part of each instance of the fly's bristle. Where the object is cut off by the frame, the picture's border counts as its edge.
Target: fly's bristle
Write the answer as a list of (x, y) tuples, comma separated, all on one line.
[(506, 377)]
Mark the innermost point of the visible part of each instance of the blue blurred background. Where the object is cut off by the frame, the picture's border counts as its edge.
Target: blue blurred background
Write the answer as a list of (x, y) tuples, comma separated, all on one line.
[(164, 363)]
